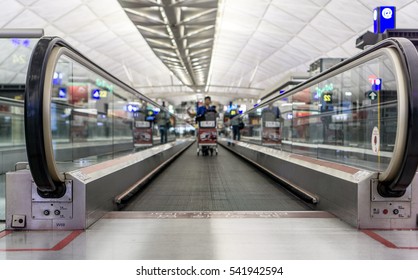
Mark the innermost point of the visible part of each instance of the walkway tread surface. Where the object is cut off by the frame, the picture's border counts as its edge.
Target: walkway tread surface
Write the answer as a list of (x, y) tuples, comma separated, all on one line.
[(213, 183)]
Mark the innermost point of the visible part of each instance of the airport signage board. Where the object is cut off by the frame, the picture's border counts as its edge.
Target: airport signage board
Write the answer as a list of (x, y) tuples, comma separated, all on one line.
[(384, 17)]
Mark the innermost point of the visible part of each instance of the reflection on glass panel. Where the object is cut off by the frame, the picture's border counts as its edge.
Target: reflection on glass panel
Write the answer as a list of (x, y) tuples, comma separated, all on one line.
[(336, 119), (12, 130), (93, 119), (271, 122), (15, 55), (14, 61)]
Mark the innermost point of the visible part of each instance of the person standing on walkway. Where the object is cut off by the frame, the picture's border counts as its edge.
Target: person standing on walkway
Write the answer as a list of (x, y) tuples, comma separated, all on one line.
[(163, 118)]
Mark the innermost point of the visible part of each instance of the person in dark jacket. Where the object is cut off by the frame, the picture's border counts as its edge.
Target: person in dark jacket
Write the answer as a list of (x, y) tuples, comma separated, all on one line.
[(162, 120), (203, 109), (235, 121)]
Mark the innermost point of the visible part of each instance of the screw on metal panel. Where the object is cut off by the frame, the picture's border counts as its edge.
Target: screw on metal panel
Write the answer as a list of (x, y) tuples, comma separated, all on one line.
[(374, 198)]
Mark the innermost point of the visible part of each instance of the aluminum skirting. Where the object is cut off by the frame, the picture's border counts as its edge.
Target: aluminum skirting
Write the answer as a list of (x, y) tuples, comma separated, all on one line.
[(93, 190), (341, 190)]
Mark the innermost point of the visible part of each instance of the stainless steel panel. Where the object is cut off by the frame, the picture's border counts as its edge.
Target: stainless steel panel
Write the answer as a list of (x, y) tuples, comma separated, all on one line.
[(19, 201), (68, 196), (390, 210), (375, 196), (87, 199), (348, 196)]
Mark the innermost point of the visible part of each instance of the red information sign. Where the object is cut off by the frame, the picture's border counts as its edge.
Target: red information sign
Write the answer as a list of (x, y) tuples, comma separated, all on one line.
[(142, 133), (271, 136), (207, 136)]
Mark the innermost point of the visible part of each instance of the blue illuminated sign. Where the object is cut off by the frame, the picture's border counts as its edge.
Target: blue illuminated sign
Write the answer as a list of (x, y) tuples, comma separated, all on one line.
[(95, 94), (377, 84), (62, 93), (150, 115), (132, 108), (20, 42), (384, 17), (57, 79)]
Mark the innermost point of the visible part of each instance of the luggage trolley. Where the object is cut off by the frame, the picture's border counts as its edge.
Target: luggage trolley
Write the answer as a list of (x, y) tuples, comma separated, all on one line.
[(207, 135)]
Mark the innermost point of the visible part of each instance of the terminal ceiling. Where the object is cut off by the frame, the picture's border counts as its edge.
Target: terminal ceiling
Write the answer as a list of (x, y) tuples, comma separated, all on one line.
[(180, 49)]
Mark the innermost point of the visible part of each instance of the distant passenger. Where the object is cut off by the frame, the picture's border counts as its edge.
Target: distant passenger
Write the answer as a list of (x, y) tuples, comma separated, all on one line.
[(163, 119), (205, 108), (271, 111), (235, 122), (201, 116)]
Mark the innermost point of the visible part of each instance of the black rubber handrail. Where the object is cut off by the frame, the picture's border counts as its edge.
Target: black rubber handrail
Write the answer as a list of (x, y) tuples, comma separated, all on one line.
[(406, 174), (34, 130), (407, 51)]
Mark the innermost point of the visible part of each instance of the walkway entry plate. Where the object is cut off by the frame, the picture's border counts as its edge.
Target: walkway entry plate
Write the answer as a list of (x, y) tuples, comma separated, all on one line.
[(393, 210), (52, 208), (389, 207), (375, 196)]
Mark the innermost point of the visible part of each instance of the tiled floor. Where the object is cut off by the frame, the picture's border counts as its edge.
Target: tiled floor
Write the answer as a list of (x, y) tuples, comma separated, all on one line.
[(202, 235)]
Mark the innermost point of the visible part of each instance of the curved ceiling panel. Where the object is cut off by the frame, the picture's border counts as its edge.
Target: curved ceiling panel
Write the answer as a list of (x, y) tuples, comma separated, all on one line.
[(175, 49)]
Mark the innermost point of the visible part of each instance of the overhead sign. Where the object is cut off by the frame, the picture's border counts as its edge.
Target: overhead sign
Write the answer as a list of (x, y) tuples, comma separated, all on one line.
[(377, 84), (372, 95), (20, 42), (95, 94), (132, 108), (98, 93), (327, 97), (57, 78), (384, 17), (62, 93)]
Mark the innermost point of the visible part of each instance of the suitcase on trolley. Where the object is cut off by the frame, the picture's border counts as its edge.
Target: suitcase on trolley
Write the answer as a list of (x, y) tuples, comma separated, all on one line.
[(207, 135)]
